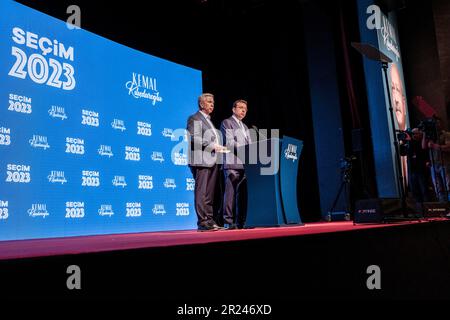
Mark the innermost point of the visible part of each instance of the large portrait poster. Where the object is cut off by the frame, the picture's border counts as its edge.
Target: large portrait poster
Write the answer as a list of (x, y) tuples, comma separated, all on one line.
[(388, 43)]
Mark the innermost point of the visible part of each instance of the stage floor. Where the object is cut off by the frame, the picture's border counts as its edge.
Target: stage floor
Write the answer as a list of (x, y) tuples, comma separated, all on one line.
[(317, 261), (89, 244)]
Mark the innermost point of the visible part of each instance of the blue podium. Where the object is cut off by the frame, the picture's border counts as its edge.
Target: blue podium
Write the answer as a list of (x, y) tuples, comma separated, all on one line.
[(272, 182)]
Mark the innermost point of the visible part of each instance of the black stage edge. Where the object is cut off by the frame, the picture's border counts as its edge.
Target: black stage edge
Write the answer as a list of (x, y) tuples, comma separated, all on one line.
[(414, 261)]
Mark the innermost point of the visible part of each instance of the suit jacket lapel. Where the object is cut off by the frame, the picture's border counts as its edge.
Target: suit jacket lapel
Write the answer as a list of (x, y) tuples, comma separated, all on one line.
[(235, 124), (244, 127), (202, 117)]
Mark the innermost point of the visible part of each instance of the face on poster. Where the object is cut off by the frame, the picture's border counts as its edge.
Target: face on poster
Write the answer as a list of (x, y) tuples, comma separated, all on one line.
[(389, 44), (398, 96)]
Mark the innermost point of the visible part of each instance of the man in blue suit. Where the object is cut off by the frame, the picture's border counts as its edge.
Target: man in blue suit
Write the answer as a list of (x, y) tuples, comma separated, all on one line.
[(205, 143), (235, 134)]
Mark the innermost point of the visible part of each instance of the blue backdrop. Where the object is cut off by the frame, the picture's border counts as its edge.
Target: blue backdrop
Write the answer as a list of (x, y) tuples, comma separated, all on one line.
[(87, 133)]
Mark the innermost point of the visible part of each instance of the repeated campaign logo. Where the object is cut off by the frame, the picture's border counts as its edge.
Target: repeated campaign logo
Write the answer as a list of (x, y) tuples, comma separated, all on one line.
[(145, 182), (74, 145), (75, 210), (118, 124), (158, 209), (5, 136), (20, 104), (175, 134), (144, 129), (18, 173), (169, 183), (105, 151), (90, 118), (134, 209), (190, 184), (132, 153), (291, 152), (180, 159), (39, 142), (106, 210), (182, 209), (4, 210), (119, 181), (57, 177), (157, 156), (167, 133), (38, 210), (90, 179), (42, 60), (143, 87), (57, 112)]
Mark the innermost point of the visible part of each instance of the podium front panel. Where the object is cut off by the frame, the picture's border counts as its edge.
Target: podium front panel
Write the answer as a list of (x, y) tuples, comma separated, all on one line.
[(264, 207), (290, 155)]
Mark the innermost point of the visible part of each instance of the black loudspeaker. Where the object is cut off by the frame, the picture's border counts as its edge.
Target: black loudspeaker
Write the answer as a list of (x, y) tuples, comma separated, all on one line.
[(337, 216), (435, 209), (376, 210)]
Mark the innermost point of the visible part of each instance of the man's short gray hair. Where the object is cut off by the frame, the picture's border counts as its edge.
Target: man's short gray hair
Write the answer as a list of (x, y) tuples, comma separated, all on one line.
[(203, 97)]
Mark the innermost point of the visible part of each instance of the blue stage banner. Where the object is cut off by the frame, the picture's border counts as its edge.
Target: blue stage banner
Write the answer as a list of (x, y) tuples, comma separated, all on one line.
[(88, 133)]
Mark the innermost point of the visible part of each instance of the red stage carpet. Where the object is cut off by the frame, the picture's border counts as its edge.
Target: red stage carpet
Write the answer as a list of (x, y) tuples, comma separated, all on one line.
[(89, 244)]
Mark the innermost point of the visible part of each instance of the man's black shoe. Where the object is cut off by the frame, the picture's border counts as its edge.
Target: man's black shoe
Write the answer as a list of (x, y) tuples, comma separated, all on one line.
[(207, 227), (214, 225), (230, 226)]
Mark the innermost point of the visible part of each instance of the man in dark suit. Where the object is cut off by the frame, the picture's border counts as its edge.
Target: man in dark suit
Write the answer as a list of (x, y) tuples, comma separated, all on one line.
[(205, 143), (235, 134)]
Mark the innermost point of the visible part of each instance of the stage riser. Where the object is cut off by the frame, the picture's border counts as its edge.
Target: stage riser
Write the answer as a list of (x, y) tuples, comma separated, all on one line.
[(413, 260)]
